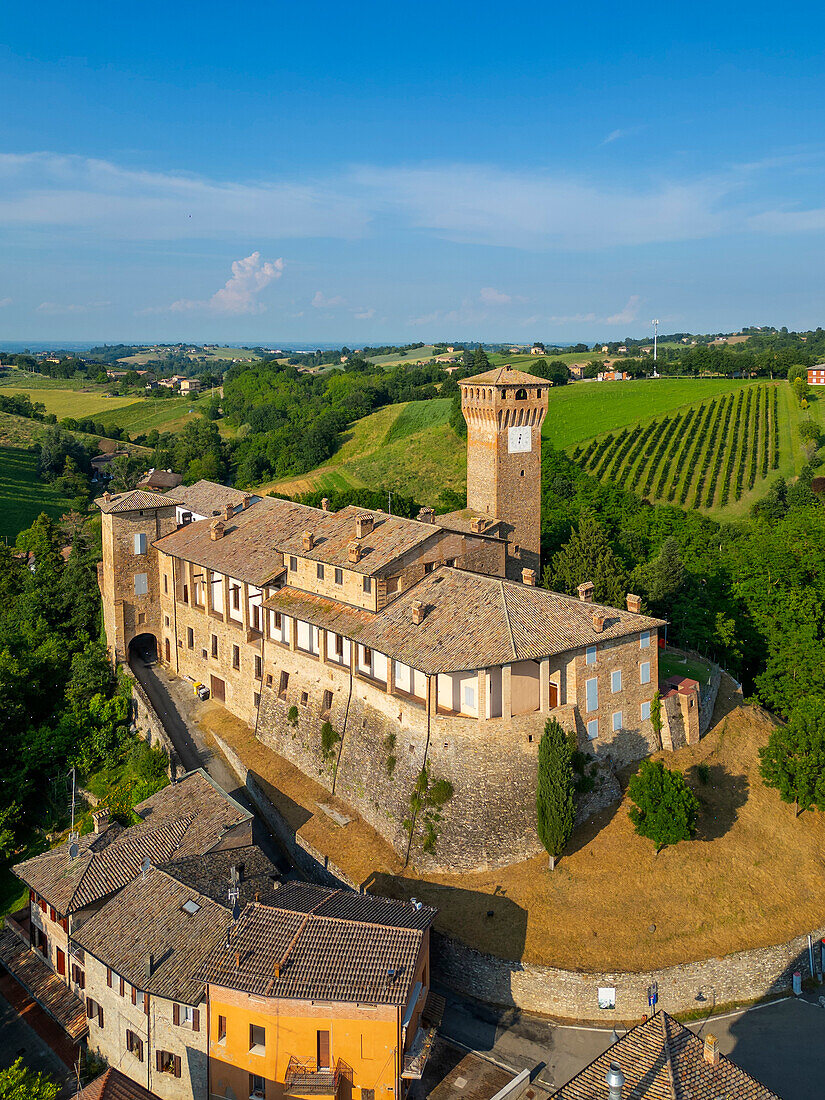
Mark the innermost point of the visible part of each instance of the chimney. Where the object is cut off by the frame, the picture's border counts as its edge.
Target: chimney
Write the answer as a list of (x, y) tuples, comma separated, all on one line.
[(325, 503), (478, 524), (216, 530), (149, 963), (598, 622), (586, 590), (354, 550), (228, 512), (528, 576), (107, 496), (614, 1079), (711, 1050), (426, 515), (634, 603), (246, 501), (236, 872), (417, 613), (308, 540), (363, 525), (101, 820)]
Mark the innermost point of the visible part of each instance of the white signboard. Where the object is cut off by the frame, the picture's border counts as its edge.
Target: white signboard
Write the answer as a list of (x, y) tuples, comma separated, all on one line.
[(607, 996), (520, 440)]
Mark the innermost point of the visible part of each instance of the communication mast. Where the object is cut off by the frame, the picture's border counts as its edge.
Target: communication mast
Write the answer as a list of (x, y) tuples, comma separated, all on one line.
[(655, 324)]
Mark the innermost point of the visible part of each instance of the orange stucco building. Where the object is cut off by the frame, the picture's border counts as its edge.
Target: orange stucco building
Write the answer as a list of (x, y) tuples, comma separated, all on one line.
[(322, 994)]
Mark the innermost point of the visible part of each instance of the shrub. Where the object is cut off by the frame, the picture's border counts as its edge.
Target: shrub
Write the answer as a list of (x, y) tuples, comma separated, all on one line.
[(555, 812), (292, 715), (665, 807), (329, 739)]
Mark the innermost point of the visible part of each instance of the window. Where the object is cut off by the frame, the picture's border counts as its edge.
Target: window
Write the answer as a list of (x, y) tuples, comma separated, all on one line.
[(78, 977), (451, 562), (140, 544), (644, 672), (258, 667), (366, 655), (590, 656), (165, 583), (167, 1063), (221, 1029), (283, 683), (214, 645), (616, 680), (52, 913), (236, 656), (645, 711), (293, 564), (617, 721), (469, 695), (257, 1087), (256, 698), (166, 621), (186, 1016), (368, 584), (190, 637), (339, 646), (591, 689), (257, 1039), (428, 567), (269, 679), (644, 640), (190, 906), (134, 1044), (235, 596), (277, 619), (109, 976), (186, 593), (319, 570), (339, 576), (94, 1011), (141, 584), (304, 698), (326, 702), (593, 729)]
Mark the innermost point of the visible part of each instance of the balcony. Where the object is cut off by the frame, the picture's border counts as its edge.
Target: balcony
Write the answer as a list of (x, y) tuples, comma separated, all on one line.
[(416, 1058), (305, 1079)]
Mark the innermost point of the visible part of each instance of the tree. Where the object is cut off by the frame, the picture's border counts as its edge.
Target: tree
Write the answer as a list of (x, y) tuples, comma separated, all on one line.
[(18, 1082), (665, 807), (664, 576), (555, 811), (125, 471), (480, 360), (588, 556), (793, 761)]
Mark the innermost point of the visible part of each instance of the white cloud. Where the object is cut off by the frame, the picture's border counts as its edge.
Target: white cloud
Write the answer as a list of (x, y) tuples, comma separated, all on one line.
[(5, 302), (66, 307), (494, 297), (320, 301), (365, 315), (622, 132), (629, 313), (240, 292)]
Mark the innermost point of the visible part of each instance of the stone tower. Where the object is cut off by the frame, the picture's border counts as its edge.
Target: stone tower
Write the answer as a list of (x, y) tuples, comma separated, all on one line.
[(504, 410), (128, 575)]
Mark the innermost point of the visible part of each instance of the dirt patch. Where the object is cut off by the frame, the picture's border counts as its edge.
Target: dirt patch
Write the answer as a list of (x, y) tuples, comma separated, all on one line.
[(749, 878)]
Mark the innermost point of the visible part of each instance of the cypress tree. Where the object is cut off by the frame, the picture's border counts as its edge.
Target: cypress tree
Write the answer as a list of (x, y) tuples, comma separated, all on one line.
[(555, 812)]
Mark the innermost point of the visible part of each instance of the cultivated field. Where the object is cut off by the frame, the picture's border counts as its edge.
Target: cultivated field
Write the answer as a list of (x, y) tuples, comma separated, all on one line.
[(65, 401), (417, 355), (142, 415), (23, 496), (717, 455), (154, 355)]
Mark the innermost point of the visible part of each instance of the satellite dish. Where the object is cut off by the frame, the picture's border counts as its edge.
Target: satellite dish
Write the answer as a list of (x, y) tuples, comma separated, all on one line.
[(73, 850), (144, 867)]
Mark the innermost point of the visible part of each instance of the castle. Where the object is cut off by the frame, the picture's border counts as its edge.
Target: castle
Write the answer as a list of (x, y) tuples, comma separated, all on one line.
[(408, 665)]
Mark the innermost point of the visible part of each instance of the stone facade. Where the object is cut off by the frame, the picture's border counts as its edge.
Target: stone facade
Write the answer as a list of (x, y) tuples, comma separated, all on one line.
[(151, 1020), (504, 411)]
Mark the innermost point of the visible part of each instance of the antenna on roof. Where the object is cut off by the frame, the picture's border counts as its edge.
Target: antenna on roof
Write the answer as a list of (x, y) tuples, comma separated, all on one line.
[(73, 850)]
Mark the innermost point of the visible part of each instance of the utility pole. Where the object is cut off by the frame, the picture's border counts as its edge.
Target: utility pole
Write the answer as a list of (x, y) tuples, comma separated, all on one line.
[(389, 502), (73, 800), (655, 324)]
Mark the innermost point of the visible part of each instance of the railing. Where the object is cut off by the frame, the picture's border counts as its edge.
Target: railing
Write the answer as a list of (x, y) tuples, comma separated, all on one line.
[(304, 1078), (20, 924)]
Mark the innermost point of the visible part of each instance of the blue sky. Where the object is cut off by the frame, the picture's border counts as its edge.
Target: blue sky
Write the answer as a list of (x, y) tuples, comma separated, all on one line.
[(369, 172)]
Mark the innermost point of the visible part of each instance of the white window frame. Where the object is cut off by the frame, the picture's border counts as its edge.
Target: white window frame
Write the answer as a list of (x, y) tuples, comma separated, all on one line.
[(644, 676), (141, 584), (590, 655), (140, 544), (587, 694), (644, 640), (593, 729), (618, 726), (644, 710), (614, 686)]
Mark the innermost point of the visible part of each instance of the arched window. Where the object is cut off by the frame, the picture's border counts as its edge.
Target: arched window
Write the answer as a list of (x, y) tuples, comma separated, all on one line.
[(521, 395)]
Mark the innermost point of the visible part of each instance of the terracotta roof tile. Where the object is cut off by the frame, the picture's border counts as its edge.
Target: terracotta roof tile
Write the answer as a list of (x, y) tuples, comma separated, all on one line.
[(205, 497), (114, 1085), (662, 1060), (505, 376), (133, 500)]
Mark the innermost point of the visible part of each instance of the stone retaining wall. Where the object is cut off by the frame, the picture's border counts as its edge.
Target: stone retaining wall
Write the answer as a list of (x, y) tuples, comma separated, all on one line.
[(149, 726)]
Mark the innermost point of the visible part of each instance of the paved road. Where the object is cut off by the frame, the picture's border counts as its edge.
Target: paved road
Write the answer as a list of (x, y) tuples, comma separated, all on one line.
[(783, 1045), (18, 1040)]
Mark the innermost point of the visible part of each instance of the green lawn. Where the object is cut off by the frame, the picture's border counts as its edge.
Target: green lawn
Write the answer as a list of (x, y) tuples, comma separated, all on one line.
[(64, 401), (23, 496), (167, 414), (673, 662)]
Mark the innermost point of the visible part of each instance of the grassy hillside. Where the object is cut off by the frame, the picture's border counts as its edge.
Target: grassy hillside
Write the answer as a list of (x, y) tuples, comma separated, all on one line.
[(63, 401), (409, 448), (23, 496), (142, 415)]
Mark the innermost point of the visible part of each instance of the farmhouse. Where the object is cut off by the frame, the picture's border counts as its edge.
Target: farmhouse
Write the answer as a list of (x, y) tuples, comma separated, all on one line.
[(816, 376), (380, 654)]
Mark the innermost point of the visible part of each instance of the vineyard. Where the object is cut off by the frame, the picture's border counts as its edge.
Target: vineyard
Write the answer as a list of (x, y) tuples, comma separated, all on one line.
[(704, 456)]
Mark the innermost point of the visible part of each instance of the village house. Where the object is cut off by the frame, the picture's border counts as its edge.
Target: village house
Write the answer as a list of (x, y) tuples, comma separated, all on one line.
[(816, 376), (334, 635)]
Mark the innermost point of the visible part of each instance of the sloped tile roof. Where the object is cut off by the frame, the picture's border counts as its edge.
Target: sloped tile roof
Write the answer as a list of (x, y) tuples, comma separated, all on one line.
[(114, 1085), (663, 1060), (250, 547), (210, 874), (390, 537), (306, 897), (43, 984), (306, 956), (470, 621), (186, 818), (205, 497), (147, 918), (505, 376), (135, 499)]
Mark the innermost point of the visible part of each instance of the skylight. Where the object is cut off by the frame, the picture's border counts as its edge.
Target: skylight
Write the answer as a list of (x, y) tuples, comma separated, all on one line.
[(191, 907)]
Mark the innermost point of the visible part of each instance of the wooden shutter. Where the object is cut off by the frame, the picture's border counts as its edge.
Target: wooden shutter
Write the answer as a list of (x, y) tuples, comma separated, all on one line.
[(158, 1062), (177, 1065), (64, 924), (323, 1050), (100, 1015), (61, 962), (146, 1003), (122, 987), (176, 1014), (52, 913), (134, 996), (82, 977), (196, 1020), (140, 1050), (109, 976), (90, 1008)]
